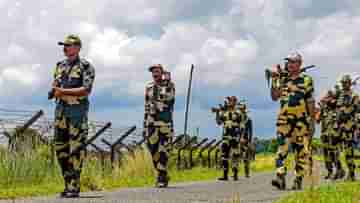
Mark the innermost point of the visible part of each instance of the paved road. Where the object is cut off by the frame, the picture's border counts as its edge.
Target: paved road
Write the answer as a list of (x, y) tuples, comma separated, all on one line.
[(255, 189)]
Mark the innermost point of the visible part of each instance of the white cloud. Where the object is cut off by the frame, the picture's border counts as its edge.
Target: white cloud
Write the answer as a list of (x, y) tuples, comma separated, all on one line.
[(334, 36), (229, 44)]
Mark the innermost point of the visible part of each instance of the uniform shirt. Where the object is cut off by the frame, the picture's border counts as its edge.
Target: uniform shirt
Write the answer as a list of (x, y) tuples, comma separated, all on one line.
[(231, 121), (79, 73), (295, 93), (159, 104), (328, 119), (347, 109)]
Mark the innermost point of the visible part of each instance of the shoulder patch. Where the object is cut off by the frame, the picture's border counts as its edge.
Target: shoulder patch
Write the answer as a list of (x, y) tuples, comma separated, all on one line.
[(60, 62), (85, 63), (149, 84)]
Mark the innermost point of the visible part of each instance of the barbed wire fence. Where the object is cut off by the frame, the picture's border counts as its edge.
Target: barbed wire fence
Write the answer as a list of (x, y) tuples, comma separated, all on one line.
[(110, 141)]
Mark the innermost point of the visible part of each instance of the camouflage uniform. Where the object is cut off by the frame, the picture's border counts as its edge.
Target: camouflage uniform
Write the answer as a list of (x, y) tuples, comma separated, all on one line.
[(347, 108), (330, 139), (158, 123), (245, 140), (71, 118), (230, 147), (294, 125)]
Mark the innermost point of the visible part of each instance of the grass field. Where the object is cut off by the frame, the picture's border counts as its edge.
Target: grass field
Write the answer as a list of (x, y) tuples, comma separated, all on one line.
[(339, 192), (37, 175)]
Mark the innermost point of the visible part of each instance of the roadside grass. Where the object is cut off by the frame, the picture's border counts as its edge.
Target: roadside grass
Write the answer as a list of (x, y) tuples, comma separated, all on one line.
[(38, 174), (338, 192)]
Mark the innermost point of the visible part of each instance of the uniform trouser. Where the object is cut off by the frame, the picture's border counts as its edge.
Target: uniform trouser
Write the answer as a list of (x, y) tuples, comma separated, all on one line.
[(245, 155), (326, 153), (349, 156), (230, 149), (282, 153), (70, 132), (333, 154), (347, 136), (159, 147)]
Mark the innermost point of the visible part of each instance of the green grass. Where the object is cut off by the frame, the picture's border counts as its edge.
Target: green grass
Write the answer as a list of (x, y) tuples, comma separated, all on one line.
[(340, 192), (37, 175), (336, 193)]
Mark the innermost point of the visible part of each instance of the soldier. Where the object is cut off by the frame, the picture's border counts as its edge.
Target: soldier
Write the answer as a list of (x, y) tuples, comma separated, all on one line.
[(158, 121), (246, 137), (73, 81), (294, 122), (330, 136), (347, 108), (230, 118)]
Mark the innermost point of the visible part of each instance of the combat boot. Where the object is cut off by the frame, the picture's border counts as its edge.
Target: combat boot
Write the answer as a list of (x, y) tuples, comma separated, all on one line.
[(297, 184), (351, 176), (162, 180), (247, 172), (235, 171), (225, 176), (74, 193), (279, 182), (340, 173), (64, 193), (328, 176)]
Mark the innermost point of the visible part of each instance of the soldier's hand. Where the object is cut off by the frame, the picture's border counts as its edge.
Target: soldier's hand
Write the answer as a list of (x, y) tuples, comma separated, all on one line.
[(243, 140), (55, 83), (57, 92), (275, 72)]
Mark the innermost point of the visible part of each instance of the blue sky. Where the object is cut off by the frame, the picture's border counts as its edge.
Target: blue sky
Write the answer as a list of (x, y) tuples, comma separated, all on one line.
[(230, 42)]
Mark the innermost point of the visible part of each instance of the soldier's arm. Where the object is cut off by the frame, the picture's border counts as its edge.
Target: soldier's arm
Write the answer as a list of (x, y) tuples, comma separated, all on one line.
[(219, 117), (318, 115), (170, 91), (275, 94), (146, 106), (250, 129), (275, 89), (85, 90), (55, 83), (309, 97)]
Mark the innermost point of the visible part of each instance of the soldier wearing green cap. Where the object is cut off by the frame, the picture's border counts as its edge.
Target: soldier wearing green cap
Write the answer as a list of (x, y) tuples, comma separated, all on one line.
[(347, 109), (73, 82), (331, 141), (158, 120), (230, 118), (245, 137)]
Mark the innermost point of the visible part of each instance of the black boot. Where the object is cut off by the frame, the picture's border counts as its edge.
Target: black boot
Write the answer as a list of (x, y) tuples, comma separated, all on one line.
[(329, 174), (351, 176), (73, 194), (297, 184), (247, 171), (235, 171), (225, 175), (279, 182), (340, 173), (64, 193), (162, 180)]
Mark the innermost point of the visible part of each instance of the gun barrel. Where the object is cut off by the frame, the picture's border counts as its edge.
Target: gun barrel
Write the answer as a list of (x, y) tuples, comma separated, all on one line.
[(307, 68)]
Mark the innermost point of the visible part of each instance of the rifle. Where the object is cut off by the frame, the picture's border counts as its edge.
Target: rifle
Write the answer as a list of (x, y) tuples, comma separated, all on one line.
[(354, 82), (218, 109), (284, 73)]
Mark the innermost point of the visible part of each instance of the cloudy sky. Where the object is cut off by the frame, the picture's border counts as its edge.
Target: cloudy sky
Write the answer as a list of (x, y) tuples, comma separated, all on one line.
[(230, 42)]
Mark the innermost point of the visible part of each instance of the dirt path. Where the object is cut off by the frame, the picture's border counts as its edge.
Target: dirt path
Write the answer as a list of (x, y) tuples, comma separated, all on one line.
[(255, 189)]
